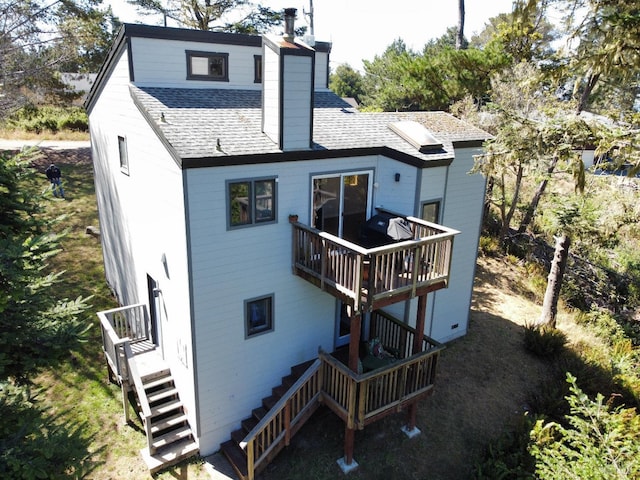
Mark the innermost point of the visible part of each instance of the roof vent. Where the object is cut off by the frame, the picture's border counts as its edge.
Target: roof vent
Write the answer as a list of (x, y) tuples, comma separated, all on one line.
[(289, 24), (418, 136)]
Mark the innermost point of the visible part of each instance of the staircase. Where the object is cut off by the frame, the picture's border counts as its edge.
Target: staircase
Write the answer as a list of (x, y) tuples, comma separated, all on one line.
[(270, 427), (170, 437)]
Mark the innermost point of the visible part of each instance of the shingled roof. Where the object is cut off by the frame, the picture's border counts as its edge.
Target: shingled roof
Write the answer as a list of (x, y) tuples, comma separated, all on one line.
[(222, 126)]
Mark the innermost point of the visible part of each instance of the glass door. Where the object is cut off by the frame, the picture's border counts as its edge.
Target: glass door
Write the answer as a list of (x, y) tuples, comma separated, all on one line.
[(341, 204)]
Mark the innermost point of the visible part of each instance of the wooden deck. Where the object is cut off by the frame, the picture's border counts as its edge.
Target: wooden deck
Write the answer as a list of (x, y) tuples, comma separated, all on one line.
[(371, 278)]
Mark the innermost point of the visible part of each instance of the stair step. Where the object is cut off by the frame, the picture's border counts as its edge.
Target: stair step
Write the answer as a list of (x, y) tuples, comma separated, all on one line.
[(238, 435), (174, 453), (171, 437), (158, 382), (289, 380), (165, 408), (162, 395), (169, 422), (259, 412), (249, 423), (279, 391), (269, 402), (298, 370), (165, 372), (236, 456)]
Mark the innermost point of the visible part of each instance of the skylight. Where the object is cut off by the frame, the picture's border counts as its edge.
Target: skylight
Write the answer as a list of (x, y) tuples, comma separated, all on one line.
[(417, 135)]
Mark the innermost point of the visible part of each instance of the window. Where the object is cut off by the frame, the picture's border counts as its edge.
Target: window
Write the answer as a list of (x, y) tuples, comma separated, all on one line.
[(257, 69), (124, 159), (252, 201), (431, 211), (258, 314), (207, 66)]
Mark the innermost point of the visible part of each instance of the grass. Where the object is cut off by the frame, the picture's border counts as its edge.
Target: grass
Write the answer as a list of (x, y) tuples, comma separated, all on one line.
[(79, 390), (64, 135), (485, 379)]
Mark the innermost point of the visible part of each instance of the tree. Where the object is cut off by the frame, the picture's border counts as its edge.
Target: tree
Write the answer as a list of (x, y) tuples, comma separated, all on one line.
[(38, 330), (605, 38), (37, 38), (234, 16), (554, 283), (461, 42), (346, 82)]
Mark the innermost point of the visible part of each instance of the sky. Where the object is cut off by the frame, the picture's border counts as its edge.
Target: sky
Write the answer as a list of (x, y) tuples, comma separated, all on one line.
[(362, 29)]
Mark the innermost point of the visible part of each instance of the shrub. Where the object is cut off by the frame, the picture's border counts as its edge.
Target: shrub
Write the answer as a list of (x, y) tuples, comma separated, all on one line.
[(489, 246), (543, 341), (596, 442)]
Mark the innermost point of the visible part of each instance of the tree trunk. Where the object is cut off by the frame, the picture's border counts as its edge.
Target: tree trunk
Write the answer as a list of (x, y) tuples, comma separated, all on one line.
[(506, 222), (460, 43), (554, 282), (533, 206), (487, 198), (584, 98)]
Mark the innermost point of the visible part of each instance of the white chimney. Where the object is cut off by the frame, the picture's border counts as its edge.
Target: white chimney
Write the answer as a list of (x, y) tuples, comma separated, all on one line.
[(287, 89)]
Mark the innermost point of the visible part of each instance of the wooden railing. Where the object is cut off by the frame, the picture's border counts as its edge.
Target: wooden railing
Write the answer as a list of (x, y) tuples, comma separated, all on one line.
[(119, 327), (360, 399), (145, 408), (365, 277), (284, 419)]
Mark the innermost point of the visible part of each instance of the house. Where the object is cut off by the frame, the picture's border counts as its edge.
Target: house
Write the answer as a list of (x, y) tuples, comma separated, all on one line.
[(245, 213)]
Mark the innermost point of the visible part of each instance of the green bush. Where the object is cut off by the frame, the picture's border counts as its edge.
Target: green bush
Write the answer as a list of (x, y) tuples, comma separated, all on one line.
[(543, 341), (31, 118), (489, 246), (595, 442)]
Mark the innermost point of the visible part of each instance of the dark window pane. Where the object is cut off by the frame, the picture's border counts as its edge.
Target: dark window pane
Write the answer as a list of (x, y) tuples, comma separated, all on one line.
[(264, 200), (431, 212), (259, 316), (240, 198)]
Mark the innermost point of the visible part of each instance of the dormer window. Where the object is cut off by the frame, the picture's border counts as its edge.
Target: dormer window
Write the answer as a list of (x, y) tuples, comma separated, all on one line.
[(207, 66)]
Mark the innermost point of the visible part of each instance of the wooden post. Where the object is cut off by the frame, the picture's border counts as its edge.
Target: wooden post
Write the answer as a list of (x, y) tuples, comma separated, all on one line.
[(420, 321), (354, 339), (349, 439), (412, 410)]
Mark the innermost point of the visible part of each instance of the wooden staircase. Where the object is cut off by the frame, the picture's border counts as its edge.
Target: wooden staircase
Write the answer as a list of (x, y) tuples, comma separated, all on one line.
[(171, 439), (246, 462)]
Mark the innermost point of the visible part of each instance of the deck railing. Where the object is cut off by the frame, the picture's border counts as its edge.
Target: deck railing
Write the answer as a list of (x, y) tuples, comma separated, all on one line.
[(360, 399), (121, 326), (284, 419), (365, 276)]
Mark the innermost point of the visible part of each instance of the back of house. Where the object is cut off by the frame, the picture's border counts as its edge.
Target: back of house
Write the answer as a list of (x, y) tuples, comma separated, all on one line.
[(204, 144)]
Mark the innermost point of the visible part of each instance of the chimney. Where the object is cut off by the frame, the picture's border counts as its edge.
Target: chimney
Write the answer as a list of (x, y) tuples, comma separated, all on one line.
[(288, 88), (289, 24)]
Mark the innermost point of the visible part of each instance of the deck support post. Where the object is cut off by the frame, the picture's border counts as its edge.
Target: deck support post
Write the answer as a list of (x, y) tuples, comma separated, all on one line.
[(412, 410), (347, 463), (354, 339)]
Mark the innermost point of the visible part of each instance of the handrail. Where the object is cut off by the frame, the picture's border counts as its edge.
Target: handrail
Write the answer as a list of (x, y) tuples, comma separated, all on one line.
[(283, 406), (110, 344), (142, 397)]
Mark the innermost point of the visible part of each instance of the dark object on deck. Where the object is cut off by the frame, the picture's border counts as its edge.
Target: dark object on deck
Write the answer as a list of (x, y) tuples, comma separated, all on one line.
[(383, 229)]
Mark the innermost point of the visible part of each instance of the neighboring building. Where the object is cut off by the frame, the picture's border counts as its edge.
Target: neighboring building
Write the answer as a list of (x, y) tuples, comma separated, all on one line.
[(79, 83), (203, 145)]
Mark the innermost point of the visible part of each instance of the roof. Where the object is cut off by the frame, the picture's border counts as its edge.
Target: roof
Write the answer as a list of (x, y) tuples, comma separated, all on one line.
[(205, 127)]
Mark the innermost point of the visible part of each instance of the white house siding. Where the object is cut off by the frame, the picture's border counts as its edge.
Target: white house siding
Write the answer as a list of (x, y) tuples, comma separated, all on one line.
[(321, 70), (271, 94), (462, 211), (163, 63), (229, 267), (297, 90), (142, 221), (432, 187)]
